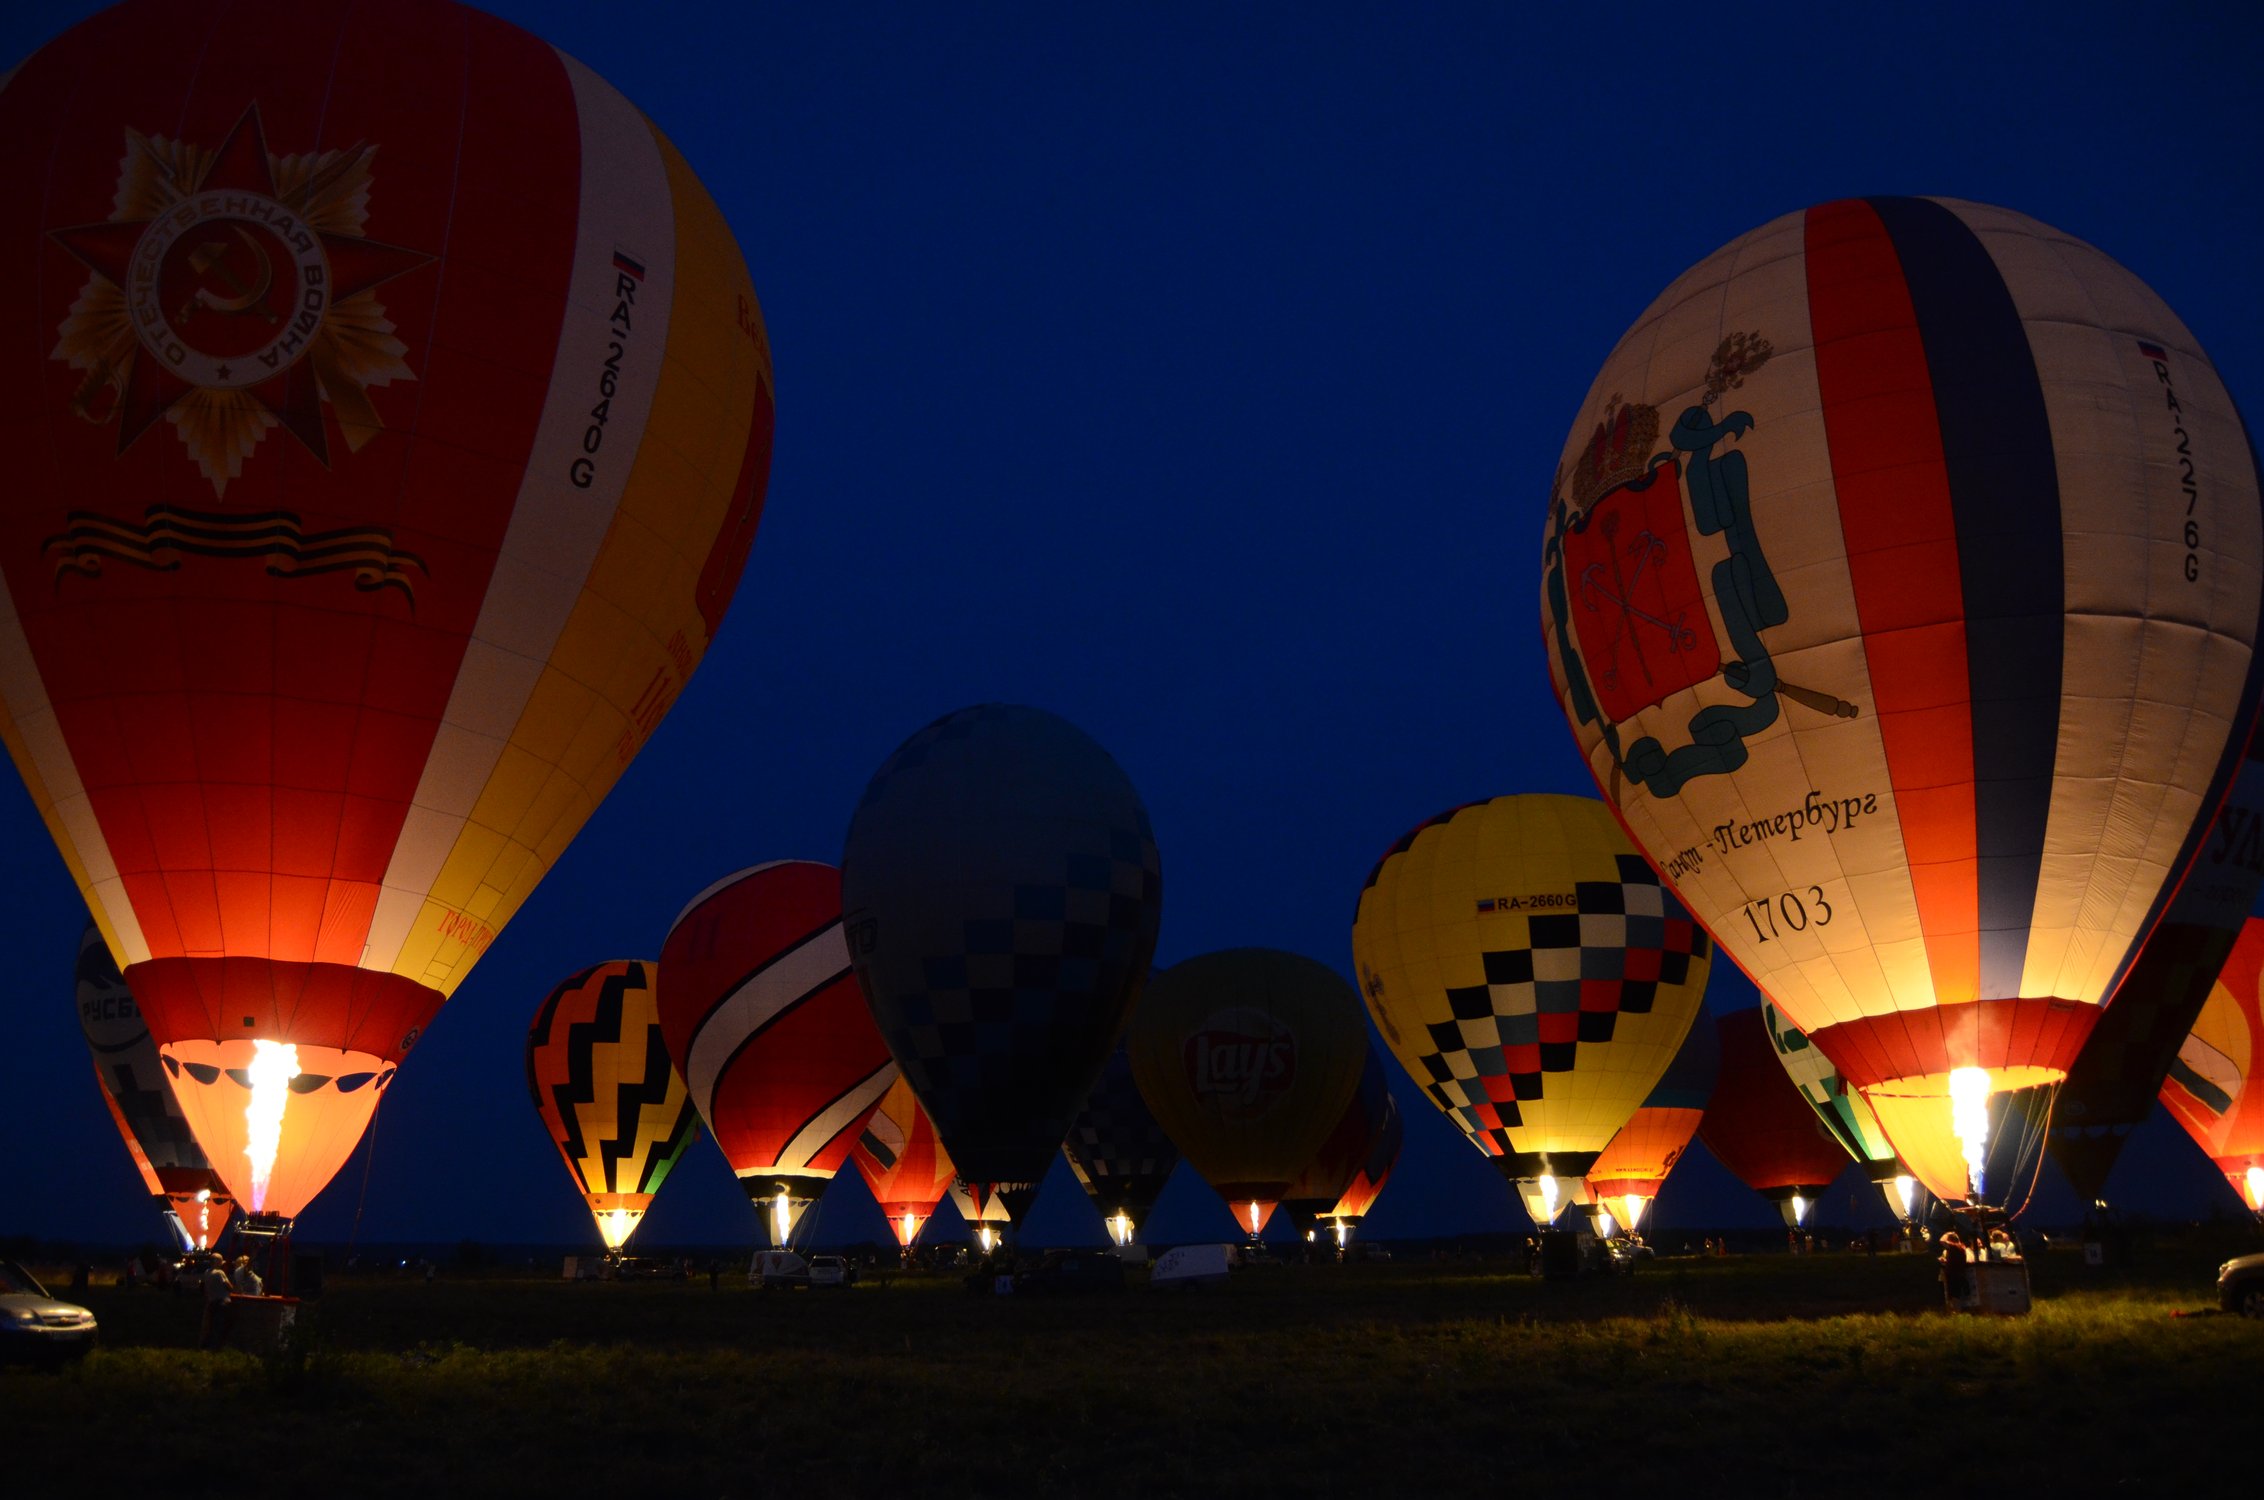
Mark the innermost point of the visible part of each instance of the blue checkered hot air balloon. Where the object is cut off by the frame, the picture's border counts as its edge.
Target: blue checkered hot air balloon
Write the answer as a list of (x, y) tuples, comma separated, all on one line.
[(1001, 892)]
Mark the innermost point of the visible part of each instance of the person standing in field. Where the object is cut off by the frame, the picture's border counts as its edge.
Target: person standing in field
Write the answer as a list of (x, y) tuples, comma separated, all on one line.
[(218, 1311), (245, 1281)]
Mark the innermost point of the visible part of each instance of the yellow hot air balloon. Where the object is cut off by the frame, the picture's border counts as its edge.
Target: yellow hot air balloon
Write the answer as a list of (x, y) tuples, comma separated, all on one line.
[(615, 1106), (1247, 1058), (1528, 969), (1901, 585)]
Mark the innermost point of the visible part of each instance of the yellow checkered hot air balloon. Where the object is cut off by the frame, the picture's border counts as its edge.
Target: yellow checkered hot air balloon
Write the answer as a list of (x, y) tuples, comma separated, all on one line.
[(1529, 970), (613, 1102)]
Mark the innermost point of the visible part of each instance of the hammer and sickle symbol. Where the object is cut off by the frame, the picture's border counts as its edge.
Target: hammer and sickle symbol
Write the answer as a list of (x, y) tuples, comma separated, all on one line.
[(212, 256)]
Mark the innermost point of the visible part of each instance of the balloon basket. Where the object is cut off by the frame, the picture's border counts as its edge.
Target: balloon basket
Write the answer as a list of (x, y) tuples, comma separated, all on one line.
[(1998, 1288), (266, 1238), (262, 1325)]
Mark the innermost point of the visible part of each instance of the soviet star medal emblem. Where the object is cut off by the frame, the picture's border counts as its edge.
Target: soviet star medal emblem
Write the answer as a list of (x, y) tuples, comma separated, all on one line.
[(231, 291)]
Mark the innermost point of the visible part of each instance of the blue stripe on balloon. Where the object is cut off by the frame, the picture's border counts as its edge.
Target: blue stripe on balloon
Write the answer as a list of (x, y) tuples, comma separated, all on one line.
[(2004, 495)]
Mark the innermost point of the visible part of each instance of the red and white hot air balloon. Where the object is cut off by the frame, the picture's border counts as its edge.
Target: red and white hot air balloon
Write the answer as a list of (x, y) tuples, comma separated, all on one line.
[(765, 1020), (389, 413), (1901, 584)]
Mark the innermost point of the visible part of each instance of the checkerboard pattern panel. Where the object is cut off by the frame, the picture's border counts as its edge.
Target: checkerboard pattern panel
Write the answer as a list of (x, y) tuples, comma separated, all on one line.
[(1579, 972)]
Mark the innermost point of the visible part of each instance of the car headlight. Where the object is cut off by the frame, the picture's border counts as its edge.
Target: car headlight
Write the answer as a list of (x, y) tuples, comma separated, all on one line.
[(21, 1315)]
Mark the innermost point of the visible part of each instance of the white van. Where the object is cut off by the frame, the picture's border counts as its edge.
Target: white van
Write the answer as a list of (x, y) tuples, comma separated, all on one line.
[(777, 1268), (1193, 1266)]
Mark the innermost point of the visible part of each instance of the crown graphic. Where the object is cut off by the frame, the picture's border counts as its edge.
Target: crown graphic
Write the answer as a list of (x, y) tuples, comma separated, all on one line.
[(1618, 451)]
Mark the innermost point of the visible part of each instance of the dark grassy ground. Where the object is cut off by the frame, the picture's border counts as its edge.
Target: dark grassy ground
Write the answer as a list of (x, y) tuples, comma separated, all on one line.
[(1757, 1376)]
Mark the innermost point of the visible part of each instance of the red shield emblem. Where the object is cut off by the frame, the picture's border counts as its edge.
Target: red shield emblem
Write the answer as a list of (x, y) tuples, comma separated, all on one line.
[(1638, 618)]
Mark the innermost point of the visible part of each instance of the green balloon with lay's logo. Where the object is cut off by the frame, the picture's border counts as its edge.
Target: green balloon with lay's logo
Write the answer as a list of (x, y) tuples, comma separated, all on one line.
[(1247, 1058)]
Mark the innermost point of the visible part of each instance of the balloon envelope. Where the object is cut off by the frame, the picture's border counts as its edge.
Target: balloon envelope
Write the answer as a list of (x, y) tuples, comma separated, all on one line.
[(767, 1025), (141, 1101), (1529, 971), (1001, 892), (1122, 1157), (2118, 1075), (1901, 587), (1760, 1126), (1842, 1111), (1629, 1173), (1321, 1187), (1249, 1058), (616, 1108), (902, 1160), (2213, 1088), (1368, 1183), (392, 412)]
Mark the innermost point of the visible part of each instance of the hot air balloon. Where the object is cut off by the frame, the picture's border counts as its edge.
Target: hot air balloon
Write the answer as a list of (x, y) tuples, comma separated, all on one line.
[(1248, 1059), (2212, 1087), (902, 1161), (1368, 1183), (1529, 971), (771, 1033), (1761, 1127), (187, 1191), (1121, 1156), (1350, 1146), (1901, 585), (599, 1072), (403, 413), (1629, 1173), (1001, 893), (1843, 1112), (2111, 1089)]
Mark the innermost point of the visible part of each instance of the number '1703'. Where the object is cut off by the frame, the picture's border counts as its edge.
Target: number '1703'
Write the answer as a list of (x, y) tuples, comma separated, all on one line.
[(1790, 910)]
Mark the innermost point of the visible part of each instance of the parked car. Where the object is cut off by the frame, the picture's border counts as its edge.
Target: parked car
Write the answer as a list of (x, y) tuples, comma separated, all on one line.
[(1074, 1271), (773, 1269), (36, 1328), (832, 1271), (2240, 1286)]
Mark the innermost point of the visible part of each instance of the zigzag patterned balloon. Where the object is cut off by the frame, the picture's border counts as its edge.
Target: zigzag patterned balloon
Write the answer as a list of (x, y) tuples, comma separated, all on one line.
[(601, 1079)]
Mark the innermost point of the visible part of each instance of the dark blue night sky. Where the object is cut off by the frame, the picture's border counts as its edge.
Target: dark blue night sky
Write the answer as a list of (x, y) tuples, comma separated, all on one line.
[(1197, 373)]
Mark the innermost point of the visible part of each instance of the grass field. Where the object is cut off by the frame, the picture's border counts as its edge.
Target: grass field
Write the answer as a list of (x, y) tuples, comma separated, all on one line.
[(1758, 1376)]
